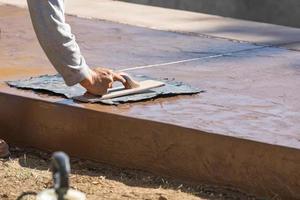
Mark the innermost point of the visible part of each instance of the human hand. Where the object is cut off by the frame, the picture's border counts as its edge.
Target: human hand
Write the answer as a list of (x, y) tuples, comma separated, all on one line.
[(100, 80)]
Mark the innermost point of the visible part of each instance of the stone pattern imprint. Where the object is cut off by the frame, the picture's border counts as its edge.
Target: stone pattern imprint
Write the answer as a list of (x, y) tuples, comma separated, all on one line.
[(55, 85)]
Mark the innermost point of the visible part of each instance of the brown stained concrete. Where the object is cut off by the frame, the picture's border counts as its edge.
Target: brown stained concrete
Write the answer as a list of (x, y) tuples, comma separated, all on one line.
[(252, 95), (165, 149), (243, 132)]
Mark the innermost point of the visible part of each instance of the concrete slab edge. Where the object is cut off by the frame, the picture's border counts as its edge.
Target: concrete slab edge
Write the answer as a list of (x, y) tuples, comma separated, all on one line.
[(187, 154)]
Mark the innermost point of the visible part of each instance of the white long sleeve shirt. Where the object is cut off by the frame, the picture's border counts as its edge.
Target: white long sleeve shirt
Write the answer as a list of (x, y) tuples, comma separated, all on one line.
[(57, 40)]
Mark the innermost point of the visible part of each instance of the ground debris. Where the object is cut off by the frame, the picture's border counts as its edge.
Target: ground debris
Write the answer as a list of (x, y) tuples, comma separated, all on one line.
[(28, 170)]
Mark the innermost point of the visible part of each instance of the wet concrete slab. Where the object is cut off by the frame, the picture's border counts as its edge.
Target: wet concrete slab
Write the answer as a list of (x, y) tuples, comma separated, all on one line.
[(131, 46), (253, 80), (248, 120), (249, 95)]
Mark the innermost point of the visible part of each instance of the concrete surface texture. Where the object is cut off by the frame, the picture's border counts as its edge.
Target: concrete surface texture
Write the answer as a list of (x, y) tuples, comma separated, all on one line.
[(180, 21), (251, 94), (242, 98), (269, 11)]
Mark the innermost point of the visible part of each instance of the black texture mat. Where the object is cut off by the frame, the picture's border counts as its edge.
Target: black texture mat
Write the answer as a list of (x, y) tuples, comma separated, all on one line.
[(55, 84)]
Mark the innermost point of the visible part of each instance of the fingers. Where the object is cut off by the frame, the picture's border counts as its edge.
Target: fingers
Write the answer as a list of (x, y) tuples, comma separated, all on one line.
[(103, 70), (105, 78), (110, 73), (118, 77)]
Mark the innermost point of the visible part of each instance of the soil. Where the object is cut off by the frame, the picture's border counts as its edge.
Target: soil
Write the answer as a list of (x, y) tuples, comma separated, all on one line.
[(27, 170)]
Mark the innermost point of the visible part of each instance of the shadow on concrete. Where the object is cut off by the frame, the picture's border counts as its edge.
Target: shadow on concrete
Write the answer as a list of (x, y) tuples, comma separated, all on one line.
[(259, 33), (276, 12)]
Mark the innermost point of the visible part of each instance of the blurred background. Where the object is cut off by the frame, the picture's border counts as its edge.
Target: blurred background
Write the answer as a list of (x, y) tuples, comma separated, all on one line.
[(282, 12)]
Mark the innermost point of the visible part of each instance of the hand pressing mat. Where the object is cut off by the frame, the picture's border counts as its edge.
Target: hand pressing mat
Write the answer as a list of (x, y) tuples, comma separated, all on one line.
[(54, 84)]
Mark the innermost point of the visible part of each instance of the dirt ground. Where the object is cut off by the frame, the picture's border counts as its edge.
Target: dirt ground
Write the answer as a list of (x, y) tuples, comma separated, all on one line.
[(28, 170)]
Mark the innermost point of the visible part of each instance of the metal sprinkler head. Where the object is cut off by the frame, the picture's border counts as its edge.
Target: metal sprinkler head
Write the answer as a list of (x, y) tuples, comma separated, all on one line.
[(60, 166)]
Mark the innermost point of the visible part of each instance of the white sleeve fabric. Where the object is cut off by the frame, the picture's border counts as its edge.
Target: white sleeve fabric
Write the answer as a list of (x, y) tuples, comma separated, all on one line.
[(57, 40)]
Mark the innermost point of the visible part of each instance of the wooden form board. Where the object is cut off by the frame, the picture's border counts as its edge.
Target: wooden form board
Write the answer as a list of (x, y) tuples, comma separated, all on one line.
[(120, 91)]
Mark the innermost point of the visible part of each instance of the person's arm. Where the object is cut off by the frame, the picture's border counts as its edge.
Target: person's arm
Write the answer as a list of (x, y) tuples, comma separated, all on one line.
[(59, 44)]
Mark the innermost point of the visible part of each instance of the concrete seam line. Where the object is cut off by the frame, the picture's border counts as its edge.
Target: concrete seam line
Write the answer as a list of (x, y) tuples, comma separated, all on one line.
[(187, 60)]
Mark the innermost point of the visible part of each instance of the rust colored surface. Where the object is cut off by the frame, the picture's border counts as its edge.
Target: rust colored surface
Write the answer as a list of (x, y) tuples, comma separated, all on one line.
[(164, 149), (243, 132)]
